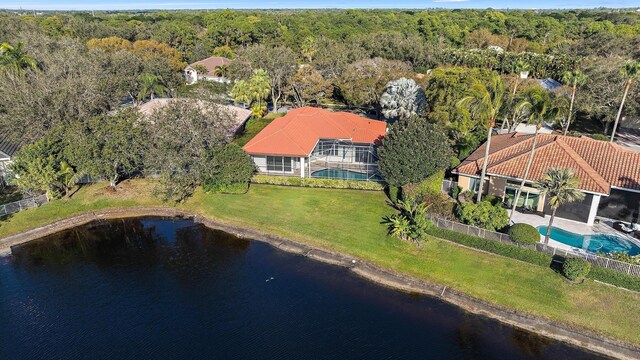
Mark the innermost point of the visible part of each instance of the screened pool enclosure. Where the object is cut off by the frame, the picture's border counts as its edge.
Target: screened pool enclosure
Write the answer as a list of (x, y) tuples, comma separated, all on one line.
[(330, 159)]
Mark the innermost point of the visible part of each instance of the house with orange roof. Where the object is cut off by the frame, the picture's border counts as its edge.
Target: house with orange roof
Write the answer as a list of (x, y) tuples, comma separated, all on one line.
[(609, 174), (314, 142)]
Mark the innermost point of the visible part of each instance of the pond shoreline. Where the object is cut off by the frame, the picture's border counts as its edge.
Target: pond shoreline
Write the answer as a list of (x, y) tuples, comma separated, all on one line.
[(557, 331)]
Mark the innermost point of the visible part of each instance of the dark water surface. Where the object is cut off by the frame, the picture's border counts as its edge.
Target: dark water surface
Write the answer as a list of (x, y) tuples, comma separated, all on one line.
[(156, 288)]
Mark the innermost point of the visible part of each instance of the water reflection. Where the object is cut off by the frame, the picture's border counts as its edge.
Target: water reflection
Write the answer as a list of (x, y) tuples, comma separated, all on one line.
[(162, 288)]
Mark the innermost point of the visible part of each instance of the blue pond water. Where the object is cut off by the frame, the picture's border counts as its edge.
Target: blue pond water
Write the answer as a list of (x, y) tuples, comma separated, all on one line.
[(155, 288), (597, 243)]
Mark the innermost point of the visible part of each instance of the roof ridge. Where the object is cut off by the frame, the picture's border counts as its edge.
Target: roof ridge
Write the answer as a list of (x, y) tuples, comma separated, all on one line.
[(525, 153), (591, 172), (501, 150)]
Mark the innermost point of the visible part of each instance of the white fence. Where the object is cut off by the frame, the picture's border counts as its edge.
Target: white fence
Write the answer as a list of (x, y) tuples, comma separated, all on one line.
[(601, 261), (14, 207)]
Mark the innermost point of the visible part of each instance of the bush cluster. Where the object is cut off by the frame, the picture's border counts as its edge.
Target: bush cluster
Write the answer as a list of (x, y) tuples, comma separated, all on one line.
[(317, 183), (576, 269), (524, 234), (615, 278), (483, 214)]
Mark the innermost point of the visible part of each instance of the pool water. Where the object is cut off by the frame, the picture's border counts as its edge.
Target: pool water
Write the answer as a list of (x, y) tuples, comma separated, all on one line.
[(343, 175), (597, 243)]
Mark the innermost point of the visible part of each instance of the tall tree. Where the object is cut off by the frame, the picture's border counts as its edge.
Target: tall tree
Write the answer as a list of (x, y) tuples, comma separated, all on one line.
[(363, 82), (560, 187), (519, 69), (412, 151), (308, 86), (537, 105), (485, 102), (109, 146), (253, 92), (278, 62), (630, 71), (402, 98), (574, 79)]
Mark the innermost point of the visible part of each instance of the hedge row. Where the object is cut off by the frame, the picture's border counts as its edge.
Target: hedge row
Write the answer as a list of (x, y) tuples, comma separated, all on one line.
[(533, 257), (615, 278), (492, 246), (317, 183)]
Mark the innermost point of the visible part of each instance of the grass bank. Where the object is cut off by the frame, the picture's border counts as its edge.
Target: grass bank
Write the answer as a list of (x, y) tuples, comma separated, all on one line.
[(348, 221)]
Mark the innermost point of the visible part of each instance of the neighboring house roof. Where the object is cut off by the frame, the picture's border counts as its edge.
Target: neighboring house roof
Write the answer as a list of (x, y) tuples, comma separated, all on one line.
[(8, 148), (211, 64), (549, 84), (240, 115), (598, 164), (297, 133)]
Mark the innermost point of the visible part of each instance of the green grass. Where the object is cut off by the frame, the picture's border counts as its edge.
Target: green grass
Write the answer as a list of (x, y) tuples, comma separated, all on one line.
[(254, 126), (349, 221)]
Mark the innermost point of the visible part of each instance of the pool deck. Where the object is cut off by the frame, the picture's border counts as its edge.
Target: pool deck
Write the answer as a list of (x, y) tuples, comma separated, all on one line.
[(602, 227)]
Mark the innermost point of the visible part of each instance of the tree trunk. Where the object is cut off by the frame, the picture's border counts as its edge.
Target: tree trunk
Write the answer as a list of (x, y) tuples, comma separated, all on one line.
[(113, 181), (515, 86), (274, 99), (526, 174), (624, 98), (573, 96), (548, 234), (484, 162)]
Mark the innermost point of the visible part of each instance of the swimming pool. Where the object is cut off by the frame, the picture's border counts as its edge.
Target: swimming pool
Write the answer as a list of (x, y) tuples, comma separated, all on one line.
[(343, 175), (597, 243)]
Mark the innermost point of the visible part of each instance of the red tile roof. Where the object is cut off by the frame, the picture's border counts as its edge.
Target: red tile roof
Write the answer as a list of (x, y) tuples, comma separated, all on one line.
[(598, 164), (211, 64), (297, 133)]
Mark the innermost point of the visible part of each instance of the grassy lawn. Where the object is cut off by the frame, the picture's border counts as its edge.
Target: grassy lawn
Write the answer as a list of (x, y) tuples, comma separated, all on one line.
[(254, 126), (349, 221)]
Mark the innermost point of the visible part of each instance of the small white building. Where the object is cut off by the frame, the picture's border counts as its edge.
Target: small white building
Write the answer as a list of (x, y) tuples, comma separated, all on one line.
[(7, 150)]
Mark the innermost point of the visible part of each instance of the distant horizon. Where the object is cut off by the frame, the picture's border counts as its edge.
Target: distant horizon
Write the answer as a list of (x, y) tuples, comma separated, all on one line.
[(151, 5)]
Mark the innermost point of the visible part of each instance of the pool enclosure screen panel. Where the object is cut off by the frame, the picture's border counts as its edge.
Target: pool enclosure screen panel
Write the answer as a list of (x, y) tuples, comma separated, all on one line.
[(342, 159), (620, 205), (577, 211)]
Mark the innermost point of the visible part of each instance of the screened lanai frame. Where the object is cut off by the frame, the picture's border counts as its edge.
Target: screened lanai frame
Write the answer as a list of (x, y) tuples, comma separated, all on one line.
[(342, 158)]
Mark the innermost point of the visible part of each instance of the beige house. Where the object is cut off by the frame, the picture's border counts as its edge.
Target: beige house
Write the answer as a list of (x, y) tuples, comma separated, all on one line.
[(609, 174)]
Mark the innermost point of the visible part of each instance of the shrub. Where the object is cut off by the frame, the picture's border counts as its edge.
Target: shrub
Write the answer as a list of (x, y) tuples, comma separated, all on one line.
[(455, 191), (624, 257), (227, 169), (439, 205), (393, 192), (454, 162), (599, 137), (317, 183), (492, 246), (524, 234), (411, 223), (615, 278), (575, 268), (494, 200), (483, 214)]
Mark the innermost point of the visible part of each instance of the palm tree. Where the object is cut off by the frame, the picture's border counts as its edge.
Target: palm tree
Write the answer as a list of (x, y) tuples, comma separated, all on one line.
[(485, 102), (69, 177), (221, 71), (560, 187), (14, 57), (631, 70), (519, 68), (151, 85), (574, 79), (537, 106)]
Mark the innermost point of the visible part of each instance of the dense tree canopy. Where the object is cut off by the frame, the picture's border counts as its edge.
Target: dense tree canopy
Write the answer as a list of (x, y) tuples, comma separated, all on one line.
[(412, 151)]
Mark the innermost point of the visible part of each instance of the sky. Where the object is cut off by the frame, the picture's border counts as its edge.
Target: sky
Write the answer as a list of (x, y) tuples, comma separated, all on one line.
[(305, 4)]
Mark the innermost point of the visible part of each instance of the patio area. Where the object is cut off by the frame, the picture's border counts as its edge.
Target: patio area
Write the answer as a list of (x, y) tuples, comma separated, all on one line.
[(602, 226)]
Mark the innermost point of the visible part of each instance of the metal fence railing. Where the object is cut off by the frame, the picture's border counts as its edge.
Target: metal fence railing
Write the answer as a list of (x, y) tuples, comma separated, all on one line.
[(447, 185), (14, 207), (600, 261)]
